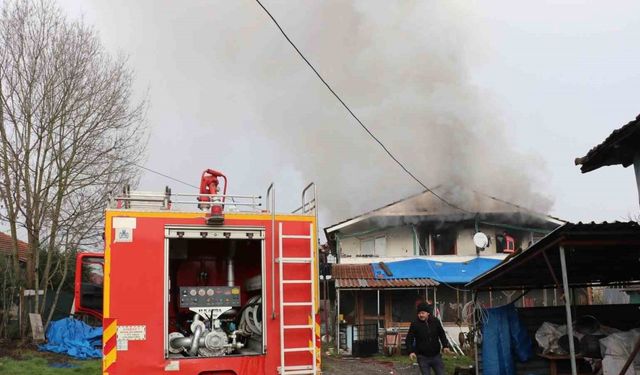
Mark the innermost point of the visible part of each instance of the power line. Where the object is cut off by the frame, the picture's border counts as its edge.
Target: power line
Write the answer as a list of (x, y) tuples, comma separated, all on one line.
[(386, 150), (163, 175), (356, 117), (115, 157)]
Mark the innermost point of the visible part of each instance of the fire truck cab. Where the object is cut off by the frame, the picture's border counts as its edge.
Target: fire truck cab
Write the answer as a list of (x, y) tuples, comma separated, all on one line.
[(210, 284)]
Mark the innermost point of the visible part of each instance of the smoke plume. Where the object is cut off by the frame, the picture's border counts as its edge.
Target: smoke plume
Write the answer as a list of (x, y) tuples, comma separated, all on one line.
[(402, 67)]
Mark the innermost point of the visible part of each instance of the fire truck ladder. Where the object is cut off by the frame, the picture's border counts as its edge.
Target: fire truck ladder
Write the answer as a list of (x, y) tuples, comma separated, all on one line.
[(304, 369)]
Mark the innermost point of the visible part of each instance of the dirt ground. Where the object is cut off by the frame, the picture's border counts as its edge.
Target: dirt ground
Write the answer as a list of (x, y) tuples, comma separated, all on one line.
[(365, 366)]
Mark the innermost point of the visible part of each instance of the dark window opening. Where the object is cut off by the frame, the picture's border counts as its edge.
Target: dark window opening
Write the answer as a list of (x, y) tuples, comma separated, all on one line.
[(444, 242), (403, 305)]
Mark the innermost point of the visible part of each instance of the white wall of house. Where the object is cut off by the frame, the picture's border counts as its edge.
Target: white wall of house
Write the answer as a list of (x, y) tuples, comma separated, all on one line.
[(391, 242), (465, 245), (464, 242), (398, 242)]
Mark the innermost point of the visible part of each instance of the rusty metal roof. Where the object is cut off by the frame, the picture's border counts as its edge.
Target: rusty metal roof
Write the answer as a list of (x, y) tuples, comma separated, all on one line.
[(620, 147), (384, 283), (352, 271), (6, 247), (361, 276)]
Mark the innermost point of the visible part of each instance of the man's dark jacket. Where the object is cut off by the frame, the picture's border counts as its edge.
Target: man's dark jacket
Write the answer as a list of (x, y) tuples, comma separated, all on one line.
[(424, 337)]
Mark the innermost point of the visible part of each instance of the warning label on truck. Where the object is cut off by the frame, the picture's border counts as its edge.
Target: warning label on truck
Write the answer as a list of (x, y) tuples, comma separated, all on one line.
[(132, 333), (122, 345)]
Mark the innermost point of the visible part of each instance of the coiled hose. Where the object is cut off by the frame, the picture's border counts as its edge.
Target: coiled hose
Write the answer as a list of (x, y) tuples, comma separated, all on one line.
[(249, 321)]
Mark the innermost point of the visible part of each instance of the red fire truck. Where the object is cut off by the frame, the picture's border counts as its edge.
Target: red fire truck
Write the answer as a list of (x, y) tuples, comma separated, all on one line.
[(224, 287)]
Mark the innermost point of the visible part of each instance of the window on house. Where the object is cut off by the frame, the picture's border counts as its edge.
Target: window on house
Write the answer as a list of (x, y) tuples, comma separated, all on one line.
[(367, 247), (381, 246), (424, 250), (505, 243), (444, 242), (370, 302), (403, 305), (374, 246)]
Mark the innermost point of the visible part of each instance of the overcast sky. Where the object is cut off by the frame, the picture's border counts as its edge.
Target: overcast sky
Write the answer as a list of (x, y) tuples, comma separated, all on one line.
[(500, 94)]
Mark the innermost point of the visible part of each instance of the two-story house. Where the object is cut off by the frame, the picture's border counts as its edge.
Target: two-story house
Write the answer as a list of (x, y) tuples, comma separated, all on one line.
[(422, 249)]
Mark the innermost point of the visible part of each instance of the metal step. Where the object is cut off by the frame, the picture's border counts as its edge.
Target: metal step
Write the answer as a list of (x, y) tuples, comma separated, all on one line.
[(296, 370), (292, 350), (297, 281), (294, 260), (296, 236), (297, 303), (298, 326)]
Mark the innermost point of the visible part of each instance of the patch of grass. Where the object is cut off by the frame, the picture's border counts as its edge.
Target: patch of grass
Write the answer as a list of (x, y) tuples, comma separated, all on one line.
[(450, 361), (32, 362)]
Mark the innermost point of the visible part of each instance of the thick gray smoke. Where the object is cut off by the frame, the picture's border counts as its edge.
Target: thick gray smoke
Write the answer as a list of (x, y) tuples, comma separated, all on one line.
[(228, 92), (402, 67)]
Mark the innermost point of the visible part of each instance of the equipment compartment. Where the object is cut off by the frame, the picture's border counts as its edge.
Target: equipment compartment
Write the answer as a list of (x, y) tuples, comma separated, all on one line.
[(215, 294)]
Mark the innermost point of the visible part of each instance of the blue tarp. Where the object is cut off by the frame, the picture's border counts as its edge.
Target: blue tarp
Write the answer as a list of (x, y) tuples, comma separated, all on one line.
[(447, 272), (504, 336), (74, 338)]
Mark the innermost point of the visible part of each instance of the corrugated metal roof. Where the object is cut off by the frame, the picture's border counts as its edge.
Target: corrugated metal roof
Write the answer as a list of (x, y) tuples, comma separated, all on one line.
[(620, 147), (352, 271), (384, 283), (596, 254), (6, 247), (361, 276)]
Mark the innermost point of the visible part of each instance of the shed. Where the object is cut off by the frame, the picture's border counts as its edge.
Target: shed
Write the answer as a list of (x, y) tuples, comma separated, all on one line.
[(572, 256)]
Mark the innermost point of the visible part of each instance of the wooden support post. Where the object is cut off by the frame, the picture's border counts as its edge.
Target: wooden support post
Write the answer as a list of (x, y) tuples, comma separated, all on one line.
[(378, 310), (553, 274), (636, 167), (633, 355)]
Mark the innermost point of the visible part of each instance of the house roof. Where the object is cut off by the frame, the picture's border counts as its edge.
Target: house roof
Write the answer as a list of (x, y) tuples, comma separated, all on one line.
[(361, 276), (424, 206), (384, 284), (444, 272), (620, 147), (6, 247), (596, 254), (352, 271), (409, 273)]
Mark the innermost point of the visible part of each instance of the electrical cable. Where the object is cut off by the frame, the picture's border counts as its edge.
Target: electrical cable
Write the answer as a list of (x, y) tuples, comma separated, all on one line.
[(376, 139), (150, 170), (163, 175), (159, 173), (373, 136), (171, 178)]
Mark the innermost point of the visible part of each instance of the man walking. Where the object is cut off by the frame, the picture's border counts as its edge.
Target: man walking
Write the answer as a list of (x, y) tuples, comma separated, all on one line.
[(425, 338)]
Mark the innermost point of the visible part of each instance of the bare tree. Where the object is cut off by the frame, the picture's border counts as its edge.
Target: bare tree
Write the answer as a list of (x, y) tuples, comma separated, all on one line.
[(70, 132)]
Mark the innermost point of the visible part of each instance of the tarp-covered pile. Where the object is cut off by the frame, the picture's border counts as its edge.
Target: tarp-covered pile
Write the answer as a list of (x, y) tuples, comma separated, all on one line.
[(74, 338)]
